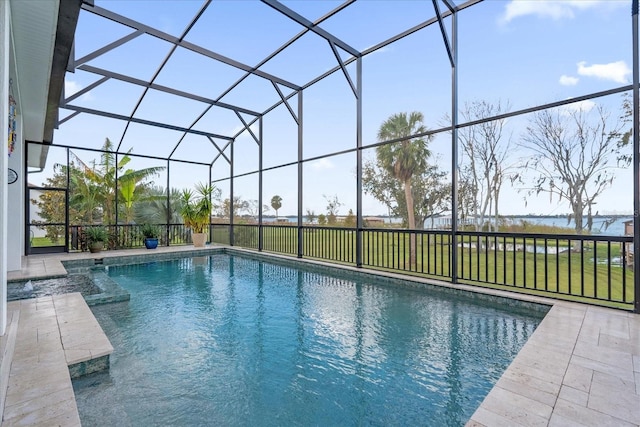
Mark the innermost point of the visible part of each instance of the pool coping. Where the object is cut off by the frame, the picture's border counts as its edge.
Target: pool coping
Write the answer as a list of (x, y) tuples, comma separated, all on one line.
[(581, 366), (55, 339)]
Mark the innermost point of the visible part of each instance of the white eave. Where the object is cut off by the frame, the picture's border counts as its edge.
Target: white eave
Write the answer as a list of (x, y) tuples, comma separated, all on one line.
[(33, 29), (42, 33)]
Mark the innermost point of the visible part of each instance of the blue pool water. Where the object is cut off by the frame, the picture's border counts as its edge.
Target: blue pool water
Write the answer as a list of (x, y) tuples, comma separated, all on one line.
[(231, 341)]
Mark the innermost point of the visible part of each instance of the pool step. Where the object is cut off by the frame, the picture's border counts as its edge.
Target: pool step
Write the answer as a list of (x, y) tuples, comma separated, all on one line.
[(58, 339)]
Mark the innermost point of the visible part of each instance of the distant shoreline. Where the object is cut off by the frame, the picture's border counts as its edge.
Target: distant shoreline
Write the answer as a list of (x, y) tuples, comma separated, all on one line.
[(559, 216)]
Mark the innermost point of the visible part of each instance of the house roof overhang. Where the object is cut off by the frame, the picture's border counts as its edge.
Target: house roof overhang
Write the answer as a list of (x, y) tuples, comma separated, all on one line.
[(42, 34)]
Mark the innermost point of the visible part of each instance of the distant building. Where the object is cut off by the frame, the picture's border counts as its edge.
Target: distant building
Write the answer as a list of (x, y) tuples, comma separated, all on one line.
[(373, 221)]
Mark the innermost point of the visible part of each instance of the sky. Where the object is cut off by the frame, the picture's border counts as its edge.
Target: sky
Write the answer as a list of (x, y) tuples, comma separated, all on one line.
[(524, 53)]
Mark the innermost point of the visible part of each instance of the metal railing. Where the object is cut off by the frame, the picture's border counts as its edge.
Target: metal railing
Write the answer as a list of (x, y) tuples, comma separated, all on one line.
[(279, 238), (583, 267), (391, 249), (329, 243), (128, 236), (592, 267), (587, 268)]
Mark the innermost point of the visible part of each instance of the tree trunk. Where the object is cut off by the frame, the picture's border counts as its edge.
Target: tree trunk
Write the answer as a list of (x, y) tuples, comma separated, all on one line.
[(577, 217), (412, 221)]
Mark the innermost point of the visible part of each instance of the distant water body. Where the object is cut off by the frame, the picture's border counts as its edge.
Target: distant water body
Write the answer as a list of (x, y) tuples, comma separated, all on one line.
[(615, 228)]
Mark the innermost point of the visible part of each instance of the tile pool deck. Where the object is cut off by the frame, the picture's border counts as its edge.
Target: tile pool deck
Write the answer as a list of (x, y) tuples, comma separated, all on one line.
[(581, 367), (56, 335)]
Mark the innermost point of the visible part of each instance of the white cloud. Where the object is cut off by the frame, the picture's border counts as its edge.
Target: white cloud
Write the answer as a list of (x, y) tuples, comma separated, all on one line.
[(236, 129), (322, 164), (244, 133), (71, 87), (568, 80), (616, 71), (584, 106), (383, 49), (554, 9)]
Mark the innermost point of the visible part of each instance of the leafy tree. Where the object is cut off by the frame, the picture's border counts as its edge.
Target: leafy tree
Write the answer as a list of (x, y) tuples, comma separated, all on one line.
[(431, 192), (333, 204), (83, 198), (350, 220), (154, 209), (51, 205), (239, 206), (322, 220), (626, 157), (276, 203), (573, 154), (101, 182)]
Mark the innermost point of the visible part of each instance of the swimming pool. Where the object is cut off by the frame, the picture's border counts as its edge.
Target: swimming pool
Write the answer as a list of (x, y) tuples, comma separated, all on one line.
[(227, 340)]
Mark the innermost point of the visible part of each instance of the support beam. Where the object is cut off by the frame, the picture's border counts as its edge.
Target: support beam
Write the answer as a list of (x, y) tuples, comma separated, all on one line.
[(223, 149), (454, 149), (443, 30), (165, 89), (248, 128), (168, 218), (286, 45), (344, 68), (210, 204), (69, 117), (221, 152), (311, 26), (286, 102), (260, 198), (96, 53), (359, 222), (300, 176), (231, 212), (193, 21), (143, 122), (84, 90), (190, 46), (636, 156)]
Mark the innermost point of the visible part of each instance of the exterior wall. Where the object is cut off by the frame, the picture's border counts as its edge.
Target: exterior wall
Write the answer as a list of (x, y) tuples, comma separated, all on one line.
[(4, 161), (15, 193)]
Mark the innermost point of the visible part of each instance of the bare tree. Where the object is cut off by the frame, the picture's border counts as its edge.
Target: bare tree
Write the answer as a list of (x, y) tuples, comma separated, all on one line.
[(466, 196), (252, 209), (333, 204), (574, 153), (487, 155), (311, 216)]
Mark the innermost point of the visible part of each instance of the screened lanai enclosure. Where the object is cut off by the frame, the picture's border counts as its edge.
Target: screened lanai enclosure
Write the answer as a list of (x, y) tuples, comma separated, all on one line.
[(483, 143)]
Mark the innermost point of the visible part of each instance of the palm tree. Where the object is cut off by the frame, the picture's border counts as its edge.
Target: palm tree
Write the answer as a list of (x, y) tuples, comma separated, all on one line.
[(134, 189), (83, 197), (405, 158), (153, 208), (276, 203), (101, 178)]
